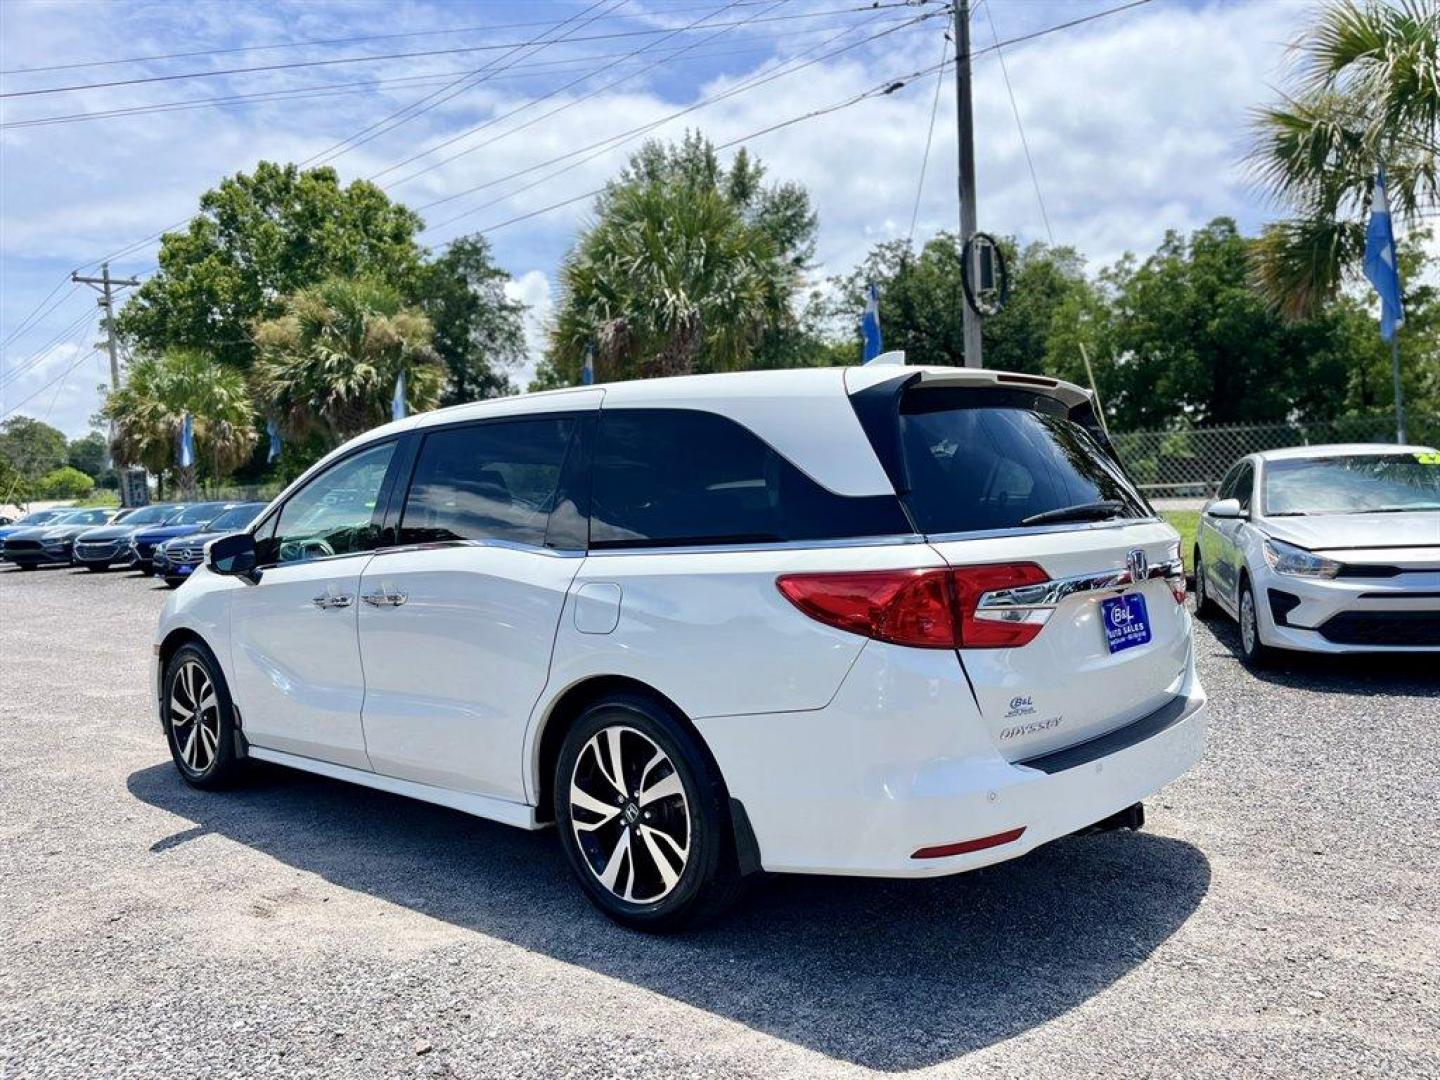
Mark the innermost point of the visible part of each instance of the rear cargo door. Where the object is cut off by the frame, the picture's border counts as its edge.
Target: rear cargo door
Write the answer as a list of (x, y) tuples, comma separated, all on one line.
[(1002, 477)]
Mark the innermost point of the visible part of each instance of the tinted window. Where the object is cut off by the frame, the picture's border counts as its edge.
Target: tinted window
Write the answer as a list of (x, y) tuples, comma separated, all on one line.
[(689, 477), (1353, 484), (334, 514), (236, 518), (1227, 486), (1244, 485), (487, 482), (198, 514), (976, 459), (150, 515)]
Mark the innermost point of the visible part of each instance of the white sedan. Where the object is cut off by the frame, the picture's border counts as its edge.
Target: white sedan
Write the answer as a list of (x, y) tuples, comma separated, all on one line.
[(1326, 549)]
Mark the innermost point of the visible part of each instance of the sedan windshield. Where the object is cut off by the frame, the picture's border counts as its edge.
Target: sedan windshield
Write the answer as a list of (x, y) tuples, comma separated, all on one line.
[(236, 518), (198, 514), (150, 515), (1352, 484)]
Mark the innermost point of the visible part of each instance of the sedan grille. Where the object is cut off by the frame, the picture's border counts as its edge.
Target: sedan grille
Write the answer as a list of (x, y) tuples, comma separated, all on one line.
[(189, 553), (97, 549), (14, 547), (1383, 628)]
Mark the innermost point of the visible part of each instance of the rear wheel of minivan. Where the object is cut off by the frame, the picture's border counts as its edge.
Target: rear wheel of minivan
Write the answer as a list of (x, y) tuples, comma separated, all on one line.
[(643, 817)]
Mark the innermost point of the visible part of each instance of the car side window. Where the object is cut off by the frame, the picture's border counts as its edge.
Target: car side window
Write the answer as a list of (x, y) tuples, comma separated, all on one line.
[(1227, 486), (334, 514), (680, 476), (492, 481), (1244, 485)]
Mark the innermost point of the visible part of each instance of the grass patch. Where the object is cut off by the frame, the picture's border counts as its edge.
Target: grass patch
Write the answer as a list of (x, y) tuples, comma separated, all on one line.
[(1186, 522)]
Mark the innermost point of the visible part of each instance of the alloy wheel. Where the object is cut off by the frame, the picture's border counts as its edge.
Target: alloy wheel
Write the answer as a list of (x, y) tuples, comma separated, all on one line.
[(195, 717), (1248, 631), (630, 814)]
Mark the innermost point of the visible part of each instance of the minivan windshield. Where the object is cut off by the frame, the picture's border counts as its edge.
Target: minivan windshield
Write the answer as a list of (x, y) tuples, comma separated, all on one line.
[(976, 459), (1352, 484)]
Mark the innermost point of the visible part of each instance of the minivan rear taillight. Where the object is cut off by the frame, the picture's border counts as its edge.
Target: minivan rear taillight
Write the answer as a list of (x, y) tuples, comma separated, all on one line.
[(929, 609)]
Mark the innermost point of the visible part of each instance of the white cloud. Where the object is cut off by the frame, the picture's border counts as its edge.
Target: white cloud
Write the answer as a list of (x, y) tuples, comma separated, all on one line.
[(533, 290), (1136, 124)]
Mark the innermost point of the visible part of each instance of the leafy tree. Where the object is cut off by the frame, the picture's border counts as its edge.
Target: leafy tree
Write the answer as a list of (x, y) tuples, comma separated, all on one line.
[(87, 454), (32, 447), (922, 302), (65, 483), (257, 239), (1366, 93), (479, 331), (688, 266), (149, 409), (328, 366)]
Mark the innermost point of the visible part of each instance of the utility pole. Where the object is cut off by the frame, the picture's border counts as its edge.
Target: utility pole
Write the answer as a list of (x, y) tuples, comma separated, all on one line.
[(107, 287), (965, 122)]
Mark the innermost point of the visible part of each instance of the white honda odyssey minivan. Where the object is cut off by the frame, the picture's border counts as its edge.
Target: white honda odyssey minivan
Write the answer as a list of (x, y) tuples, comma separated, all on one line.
[(887, 621)]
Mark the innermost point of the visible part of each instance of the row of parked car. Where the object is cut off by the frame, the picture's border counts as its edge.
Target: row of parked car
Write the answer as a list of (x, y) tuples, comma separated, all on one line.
[(165, 539)]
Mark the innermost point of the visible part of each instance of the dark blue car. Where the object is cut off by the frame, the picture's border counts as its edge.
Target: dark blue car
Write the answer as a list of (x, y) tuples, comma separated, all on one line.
[(177, 557), (29, 521), (191, 519)]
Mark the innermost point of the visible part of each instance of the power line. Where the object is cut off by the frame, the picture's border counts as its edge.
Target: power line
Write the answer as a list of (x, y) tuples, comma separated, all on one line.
[(882, 89), (11, 377), (568, 105), (603, 146), (34, 317), (929, 137), (407, 55), (1020, 126), (438, 97), (487, 28), (58, 379)]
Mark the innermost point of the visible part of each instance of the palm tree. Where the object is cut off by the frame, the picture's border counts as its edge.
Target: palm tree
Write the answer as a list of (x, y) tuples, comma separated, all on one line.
[(1366, 95), (685, 268), (330, 363), (149, 410)]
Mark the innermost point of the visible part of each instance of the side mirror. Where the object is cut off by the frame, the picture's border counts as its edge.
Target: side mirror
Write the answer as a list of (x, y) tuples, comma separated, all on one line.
[(233, 555), (1225, 508)]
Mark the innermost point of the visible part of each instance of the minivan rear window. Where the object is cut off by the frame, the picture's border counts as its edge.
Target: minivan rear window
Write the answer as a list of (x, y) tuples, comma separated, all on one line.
[(977, 459)]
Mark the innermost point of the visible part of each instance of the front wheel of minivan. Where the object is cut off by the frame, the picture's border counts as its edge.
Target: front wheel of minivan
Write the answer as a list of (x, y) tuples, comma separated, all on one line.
[(643, 817)]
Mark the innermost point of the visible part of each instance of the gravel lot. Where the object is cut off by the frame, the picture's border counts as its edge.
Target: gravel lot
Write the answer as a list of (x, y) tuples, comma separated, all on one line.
[(1280, 916)]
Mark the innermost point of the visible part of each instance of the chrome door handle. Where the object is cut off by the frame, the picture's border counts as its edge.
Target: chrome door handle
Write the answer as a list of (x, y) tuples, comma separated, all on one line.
[(326, 602), (385, 599)]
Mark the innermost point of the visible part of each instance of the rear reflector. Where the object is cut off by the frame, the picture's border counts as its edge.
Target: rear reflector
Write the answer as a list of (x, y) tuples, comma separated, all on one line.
[(962, 847)]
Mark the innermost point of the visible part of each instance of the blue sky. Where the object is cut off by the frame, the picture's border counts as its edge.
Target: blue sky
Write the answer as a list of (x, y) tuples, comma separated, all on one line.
[(1136, 124)]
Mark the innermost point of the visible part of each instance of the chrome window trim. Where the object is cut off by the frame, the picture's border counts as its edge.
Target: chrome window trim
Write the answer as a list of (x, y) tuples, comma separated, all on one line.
[(1038, 530), (509, 545), (779, 545)]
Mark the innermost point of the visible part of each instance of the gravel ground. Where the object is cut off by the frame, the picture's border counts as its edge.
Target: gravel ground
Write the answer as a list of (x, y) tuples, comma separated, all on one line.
[(1278, 917)]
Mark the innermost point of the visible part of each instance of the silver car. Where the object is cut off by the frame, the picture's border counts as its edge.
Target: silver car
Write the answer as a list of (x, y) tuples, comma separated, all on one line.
[(1326, 549)]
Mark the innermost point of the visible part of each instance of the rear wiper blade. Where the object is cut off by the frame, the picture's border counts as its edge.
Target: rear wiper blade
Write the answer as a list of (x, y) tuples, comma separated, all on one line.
[(1094, 511)]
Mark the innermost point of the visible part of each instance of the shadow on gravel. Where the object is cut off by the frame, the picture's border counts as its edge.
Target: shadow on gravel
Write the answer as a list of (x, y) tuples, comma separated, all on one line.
[(1367, 674), (885, 974)]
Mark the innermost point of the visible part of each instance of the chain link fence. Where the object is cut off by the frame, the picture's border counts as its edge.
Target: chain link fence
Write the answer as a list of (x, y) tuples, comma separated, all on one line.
[(1189, 463)]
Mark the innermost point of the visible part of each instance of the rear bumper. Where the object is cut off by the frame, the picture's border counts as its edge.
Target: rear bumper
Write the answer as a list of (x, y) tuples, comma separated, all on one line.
[(1349, 615), (899, 762)]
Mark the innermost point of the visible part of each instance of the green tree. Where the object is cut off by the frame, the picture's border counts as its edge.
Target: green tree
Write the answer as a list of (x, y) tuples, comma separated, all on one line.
[(921, 302), (65, 483), (479, 331), (1365, 94), (687, 267), (32, 447), (328, 366), (150, 405), (257, 239), (87, 454)]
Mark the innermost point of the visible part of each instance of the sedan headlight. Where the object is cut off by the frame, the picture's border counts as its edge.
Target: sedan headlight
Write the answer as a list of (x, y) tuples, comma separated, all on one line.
[(1286, 558), (53, 541)]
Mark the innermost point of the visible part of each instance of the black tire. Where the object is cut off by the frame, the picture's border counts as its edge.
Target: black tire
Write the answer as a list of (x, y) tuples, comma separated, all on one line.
[(708, 879), (204, 753), (1204, 605), (26, 565), (146, 571), (1254, 652), (96, 568)]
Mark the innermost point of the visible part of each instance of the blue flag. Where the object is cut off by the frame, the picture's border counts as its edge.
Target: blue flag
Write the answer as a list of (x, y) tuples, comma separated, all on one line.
[(397, 404), (587, 370), (186, 456), (870, 325), (1380, 264), (273, 430)]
